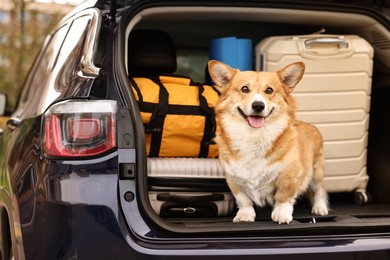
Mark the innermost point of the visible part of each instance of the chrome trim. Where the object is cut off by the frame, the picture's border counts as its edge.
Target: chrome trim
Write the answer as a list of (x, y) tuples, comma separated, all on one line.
[(88, 68), (13, 123)]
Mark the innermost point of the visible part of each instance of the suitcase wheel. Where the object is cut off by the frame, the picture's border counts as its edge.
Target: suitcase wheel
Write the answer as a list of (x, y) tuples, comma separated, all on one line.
[(362, 197)]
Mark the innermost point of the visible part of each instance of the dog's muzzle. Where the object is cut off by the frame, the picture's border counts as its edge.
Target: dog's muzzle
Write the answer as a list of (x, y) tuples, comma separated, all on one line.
[(255, 120)]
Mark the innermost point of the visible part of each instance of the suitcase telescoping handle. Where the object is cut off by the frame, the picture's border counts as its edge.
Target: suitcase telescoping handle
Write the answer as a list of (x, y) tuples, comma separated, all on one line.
[(325, 47), (190, 198), (342, 43)]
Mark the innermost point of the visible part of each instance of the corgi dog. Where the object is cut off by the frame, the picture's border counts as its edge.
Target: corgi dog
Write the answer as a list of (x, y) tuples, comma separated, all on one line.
[(268, 156)]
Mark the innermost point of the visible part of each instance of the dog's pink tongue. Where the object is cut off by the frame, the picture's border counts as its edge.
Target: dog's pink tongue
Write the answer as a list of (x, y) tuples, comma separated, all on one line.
[(256, 121)]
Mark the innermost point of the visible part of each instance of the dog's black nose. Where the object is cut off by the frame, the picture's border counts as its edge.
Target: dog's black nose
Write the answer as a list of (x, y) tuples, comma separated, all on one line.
[(258, 106)]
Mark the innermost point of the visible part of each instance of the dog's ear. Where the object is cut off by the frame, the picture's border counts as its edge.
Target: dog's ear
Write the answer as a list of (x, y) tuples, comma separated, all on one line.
[(220, 73), (291, 75)]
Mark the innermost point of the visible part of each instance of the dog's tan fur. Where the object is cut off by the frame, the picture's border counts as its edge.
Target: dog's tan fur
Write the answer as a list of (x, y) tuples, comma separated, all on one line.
[(268, 156)]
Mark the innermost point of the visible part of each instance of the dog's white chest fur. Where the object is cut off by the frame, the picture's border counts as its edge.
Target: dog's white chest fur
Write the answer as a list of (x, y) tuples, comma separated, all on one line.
[(256, 177), (252, 170)]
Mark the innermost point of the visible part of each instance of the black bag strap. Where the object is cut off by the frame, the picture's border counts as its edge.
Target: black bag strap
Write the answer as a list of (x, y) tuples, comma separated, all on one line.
[(157, 119), (209, 126), (135, 86), (156, 123)]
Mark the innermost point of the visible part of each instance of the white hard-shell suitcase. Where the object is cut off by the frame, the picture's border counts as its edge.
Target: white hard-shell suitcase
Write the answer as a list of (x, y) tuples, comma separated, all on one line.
[(188, 187), (334, 94)]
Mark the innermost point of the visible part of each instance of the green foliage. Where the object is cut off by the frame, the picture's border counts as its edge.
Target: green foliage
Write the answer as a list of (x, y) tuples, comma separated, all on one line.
[(21, 38)]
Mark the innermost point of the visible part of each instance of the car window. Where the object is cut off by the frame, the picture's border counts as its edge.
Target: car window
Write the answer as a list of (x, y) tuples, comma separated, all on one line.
[(192, 64)]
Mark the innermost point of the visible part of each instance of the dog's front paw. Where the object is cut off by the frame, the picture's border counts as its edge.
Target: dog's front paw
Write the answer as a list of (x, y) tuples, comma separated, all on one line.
[(282, 213), (320, 209), (246, 214)]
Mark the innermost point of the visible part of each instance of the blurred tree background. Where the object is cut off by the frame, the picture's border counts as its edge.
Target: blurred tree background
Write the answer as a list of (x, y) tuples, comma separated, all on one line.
[(24, 25)]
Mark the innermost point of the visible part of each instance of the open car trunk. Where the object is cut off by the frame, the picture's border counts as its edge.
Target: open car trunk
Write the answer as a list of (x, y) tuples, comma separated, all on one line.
[(192, 27)]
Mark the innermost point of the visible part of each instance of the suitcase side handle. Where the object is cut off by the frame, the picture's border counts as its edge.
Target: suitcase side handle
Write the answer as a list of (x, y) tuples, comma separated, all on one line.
[(342, 43)]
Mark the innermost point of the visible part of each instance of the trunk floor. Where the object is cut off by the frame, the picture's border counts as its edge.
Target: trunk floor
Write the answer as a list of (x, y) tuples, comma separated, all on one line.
[(342, 208)]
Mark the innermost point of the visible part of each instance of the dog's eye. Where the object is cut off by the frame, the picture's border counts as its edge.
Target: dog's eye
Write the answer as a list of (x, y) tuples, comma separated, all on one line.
[(245, 89), (269, 91)]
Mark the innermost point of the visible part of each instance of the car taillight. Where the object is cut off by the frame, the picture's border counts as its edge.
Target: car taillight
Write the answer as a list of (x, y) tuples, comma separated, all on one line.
[(79, 128)]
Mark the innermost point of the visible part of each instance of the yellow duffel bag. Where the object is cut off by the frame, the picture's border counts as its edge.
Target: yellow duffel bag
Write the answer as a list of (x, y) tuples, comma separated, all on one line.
[(178, 116)]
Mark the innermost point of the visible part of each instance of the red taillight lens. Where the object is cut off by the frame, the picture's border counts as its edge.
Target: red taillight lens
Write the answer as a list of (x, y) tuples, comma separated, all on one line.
[(79, 128)]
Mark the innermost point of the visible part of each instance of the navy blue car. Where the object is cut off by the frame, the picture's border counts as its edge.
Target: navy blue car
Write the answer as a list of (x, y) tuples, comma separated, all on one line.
[(75, 177)]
